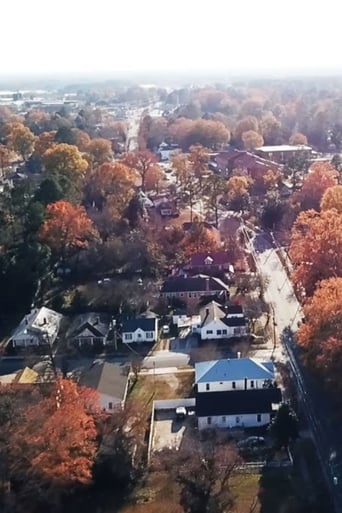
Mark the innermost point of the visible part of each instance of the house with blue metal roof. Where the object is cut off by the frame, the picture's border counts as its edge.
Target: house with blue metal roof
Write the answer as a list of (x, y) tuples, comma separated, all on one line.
[(233, 374), (235, 392)]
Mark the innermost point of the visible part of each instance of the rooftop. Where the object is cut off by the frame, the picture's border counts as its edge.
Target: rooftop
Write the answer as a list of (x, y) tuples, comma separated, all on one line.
[(233, 369), (238, 402), (107, 378), (39, 321), (284, 147), (193, 284), (144, 323), (97, 323)]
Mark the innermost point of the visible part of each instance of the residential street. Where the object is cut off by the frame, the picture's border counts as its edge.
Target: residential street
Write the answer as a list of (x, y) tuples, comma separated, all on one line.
[(319, 410)]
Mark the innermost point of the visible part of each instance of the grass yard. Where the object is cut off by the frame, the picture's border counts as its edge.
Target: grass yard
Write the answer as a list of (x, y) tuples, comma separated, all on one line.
[(166, 386)]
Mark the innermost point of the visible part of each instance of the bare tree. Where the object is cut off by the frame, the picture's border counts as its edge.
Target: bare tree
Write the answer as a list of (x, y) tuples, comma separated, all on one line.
[(203, 471)]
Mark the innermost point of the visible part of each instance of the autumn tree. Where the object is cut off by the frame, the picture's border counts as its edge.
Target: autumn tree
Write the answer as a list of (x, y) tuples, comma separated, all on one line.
[(214, 190), (203, 470), (140, 161), (67, 228), (53, 444), (153, 178), (320, 335), (187, 132), (65, 164), (321, 176), (199, 239), (332, 198), (270, 128), (249, 123), (5, 158), (44, 142), (199, 158), (252, 140), (315, 248), (82, 139), (298, 139), (181, 166), (20, 139), (112, 186), (100, 151), (238, 196)]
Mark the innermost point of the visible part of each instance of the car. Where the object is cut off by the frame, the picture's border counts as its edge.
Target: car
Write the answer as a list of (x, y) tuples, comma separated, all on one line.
[(251, 441), (180, 413), (166, 329)]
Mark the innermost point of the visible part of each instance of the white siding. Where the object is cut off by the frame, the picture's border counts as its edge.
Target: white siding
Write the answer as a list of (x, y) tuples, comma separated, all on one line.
[(233, 421), (141, 336), (220, 386), (105, 401), (210, 330)]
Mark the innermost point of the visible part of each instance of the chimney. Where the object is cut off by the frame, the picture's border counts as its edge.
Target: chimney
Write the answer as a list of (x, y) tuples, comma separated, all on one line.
[(207, 288), (26, 321), (245, 383), (207, 312), (96, 321), (45, 321), (239, 354)]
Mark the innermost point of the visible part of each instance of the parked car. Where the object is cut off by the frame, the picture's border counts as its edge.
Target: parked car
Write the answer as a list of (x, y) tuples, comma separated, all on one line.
[(180, 413), (251, 441)]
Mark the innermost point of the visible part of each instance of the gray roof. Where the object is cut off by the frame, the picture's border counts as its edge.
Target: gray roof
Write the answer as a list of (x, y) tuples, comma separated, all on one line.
[(234, 369), (97, 323), (107, 378), (237, 402), (211, 312), (193, 284), (144, 323)]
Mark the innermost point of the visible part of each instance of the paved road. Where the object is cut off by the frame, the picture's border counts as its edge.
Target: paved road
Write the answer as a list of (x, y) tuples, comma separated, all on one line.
[(319, 410)]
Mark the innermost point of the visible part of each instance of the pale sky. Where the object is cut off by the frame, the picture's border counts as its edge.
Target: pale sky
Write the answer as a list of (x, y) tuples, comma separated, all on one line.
[(109, 35)]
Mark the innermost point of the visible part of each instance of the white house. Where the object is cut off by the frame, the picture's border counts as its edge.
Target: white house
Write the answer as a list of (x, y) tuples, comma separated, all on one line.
[(39, 327), (110, 380), (141, 329), (219, 323), (233, 374), (250, 408), (165, 151), (235, 392), (90, 329)]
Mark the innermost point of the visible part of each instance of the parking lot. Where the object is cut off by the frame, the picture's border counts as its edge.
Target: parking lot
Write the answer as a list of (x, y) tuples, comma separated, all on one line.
[(169, 432)]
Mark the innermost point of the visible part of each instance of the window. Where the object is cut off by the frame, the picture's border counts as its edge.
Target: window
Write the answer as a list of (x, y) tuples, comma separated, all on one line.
[(209, 421), (139, 335), (237, 420), (224, 420), (189, 294), (207, 386), (209, 332), (110, 406), (149, 334), (218, 332), (224, 332), (181, 294), (259, 417), (128, 336), (252, 383), (233, 385)]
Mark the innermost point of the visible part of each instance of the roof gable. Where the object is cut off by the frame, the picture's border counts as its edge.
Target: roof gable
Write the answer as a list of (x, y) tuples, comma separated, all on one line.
[(107, 378), (143, 323), (233, 369)]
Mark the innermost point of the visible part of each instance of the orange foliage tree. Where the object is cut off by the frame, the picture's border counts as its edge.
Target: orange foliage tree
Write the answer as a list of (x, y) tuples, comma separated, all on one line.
[(245, 125), (44, 141), (199, 158), (199, 239), (55, 446), (5, 158), (20, 139), (67, 228), (181, 166), (315, 248), (153, 178), (82, 139), (188, 132), (332, 198), (298, 138), (142, 162), (252, 140), (320, 335), (111, 184), (238, 195), (321, 176)]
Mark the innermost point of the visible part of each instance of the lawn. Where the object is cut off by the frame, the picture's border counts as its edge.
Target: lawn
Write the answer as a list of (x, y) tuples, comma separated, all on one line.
[(167, 386)]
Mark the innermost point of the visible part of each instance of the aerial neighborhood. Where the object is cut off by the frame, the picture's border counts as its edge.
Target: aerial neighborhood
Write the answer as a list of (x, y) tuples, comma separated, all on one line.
[(171, 290)]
